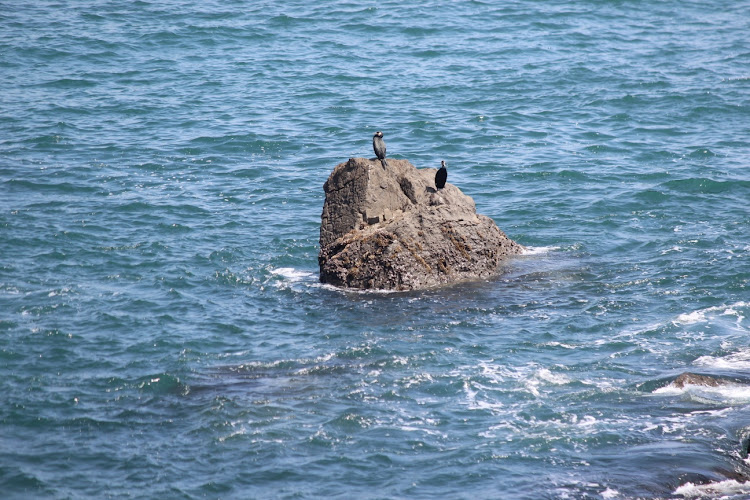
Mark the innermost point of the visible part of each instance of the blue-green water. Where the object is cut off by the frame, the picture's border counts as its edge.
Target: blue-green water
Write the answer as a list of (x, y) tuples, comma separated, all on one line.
[(162, 331)]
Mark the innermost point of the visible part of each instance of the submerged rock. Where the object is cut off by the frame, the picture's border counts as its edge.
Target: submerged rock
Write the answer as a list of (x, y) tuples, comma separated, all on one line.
[(390, 229), (694, 379)]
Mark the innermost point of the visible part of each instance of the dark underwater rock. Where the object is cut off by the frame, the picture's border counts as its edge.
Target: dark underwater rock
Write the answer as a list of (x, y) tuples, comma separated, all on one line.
[(390, 229)]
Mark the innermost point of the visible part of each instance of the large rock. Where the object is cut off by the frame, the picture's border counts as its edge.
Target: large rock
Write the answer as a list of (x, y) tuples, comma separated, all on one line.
[(389, 229)]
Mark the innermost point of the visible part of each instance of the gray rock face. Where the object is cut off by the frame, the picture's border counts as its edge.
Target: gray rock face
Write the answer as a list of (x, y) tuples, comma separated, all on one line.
[(389, 229)]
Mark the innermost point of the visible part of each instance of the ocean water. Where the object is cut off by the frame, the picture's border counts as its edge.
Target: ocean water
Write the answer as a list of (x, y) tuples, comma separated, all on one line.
[(162, 330)]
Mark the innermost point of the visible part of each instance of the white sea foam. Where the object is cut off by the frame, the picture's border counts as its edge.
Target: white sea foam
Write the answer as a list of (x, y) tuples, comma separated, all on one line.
[(62, 291), (418, 380), (721, 489), (733, 394), (668, 426), (670, 250), (327, 286), (669, 390), (237, 430), (690, 318), (735, 361), (314, 364), (559, 344), (531, 378), (538, 250), (291, 274), (701, 315), (553, 378), (610, 493)]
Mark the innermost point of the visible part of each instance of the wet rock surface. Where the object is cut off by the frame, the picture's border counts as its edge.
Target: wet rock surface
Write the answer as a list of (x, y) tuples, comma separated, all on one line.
[(695, 379)]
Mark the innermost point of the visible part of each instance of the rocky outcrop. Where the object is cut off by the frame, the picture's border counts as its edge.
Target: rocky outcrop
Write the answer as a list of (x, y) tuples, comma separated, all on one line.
[(694, 379), (389, 229)]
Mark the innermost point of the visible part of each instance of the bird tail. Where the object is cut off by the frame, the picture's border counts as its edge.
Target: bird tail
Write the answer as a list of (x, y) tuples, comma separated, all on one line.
[(384, 163)]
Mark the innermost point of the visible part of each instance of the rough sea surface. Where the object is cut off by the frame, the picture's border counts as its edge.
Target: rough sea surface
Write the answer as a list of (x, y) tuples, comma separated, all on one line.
[(162, 330)]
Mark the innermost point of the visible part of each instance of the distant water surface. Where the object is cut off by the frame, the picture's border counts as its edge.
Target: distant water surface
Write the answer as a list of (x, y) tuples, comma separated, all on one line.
[(162, 330)]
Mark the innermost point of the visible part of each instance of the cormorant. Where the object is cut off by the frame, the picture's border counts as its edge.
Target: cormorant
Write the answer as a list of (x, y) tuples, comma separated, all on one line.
[(441, 176), (379, 146)]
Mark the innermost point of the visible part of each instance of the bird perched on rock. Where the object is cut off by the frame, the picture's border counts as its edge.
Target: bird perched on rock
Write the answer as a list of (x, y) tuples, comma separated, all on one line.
[(379, 146), (441, 176)]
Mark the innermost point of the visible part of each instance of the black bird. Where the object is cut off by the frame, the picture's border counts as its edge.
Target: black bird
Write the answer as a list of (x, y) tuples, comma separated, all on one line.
[(379, 146), (441, 176)]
